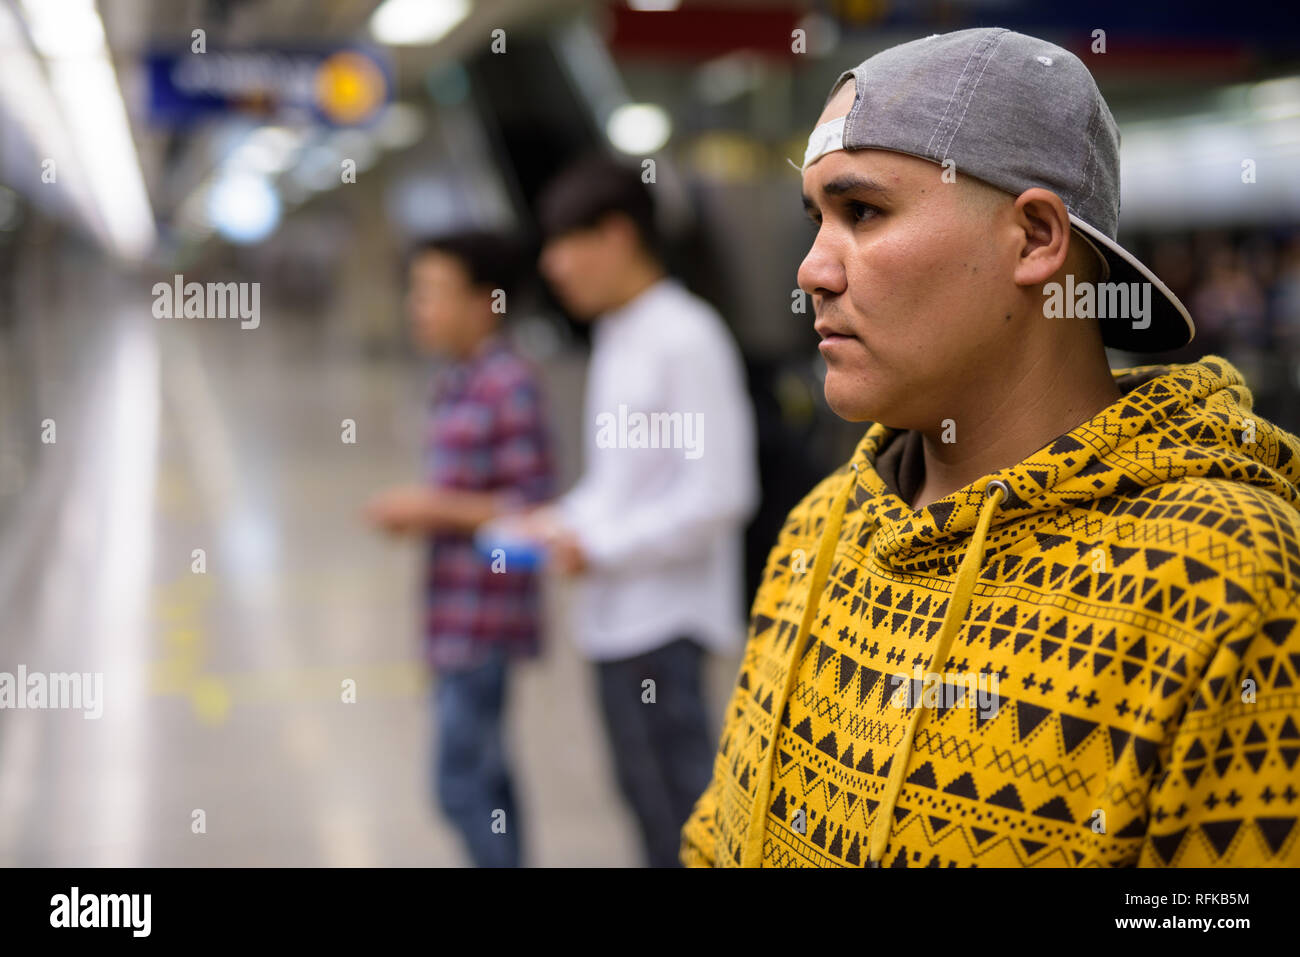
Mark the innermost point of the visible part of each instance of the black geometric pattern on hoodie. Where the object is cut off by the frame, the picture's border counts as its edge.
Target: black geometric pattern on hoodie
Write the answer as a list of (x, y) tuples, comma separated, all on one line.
[(1139, 601)]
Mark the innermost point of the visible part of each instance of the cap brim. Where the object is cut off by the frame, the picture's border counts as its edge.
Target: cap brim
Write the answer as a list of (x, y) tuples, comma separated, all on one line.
[(1170, 324)]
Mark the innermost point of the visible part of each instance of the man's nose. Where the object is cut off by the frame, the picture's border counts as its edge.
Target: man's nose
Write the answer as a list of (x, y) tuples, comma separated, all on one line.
[(822, 270)]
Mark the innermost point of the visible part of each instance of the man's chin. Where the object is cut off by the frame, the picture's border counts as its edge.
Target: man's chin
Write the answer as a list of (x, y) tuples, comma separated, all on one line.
[(845, 396)]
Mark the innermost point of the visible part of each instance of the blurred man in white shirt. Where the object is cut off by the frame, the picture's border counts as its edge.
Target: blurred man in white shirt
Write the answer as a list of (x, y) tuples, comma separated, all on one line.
[(654, 527)]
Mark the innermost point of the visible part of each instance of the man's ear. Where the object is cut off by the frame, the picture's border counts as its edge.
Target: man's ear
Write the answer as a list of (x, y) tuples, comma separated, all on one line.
[(1042, 217)]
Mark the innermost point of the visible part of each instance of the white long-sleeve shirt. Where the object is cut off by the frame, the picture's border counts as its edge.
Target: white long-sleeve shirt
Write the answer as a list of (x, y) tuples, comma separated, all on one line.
[(662, 527)]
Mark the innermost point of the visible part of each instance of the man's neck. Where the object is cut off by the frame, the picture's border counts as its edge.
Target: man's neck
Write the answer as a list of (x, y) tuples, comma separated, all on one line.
[(639, 279), (1025, 414), (477, 346)]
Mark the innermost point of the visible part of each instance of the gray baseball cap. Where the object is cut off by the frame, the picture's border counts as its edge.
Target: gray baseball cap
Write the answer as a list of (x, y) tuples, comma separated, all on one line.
[(1015, 112)]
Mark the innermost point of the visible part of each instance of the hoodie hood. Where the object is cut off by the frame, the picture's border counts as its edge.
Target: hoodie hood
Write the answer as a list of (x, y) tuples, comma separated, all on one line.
[(1172, 423)]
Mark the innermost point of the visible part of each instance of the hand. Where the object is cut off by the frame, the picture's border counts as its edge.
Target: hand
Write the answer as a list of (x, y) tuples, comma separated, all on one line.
[(544, 525), (566, 553)]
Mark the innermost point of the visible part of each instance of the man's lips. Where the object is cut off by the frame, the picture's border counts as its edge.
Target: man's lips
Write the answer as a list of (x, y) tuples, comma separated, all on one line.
[(831, 332)]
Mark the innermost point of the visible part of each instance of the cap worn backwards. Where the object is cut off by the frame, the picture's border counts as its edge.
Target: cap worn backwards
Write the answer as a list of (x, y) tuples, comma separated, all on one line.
[(1015, 112)]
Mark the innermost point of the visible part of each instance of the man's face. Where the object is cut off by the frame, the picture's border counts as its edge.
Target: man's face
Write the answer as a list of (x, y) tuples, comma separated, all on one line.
[(909, 277), (575, 264), (441, 302), (585, 266)]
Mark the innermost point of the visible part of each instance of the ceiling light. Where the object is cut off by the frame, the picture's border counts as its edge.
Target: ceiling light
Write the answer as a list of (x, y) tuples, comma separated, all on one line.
[(416, 22), (638, 128)]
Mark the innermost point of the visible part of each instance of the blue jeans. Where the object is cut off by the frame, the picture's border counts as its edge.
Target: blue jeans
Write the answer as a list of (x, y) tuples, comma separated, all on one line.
[(471, 781), (662, 752)]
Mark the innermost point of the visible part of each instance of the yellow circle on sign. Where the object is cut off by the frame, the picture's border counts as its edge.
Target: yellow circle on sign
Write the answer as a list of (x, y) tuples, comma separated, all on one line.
[(350, 87)]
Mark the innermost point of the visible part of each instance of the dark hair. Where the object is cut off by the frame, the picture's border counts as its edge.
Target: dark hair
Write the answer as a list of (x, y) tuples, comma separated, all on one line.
[(491, 259), (592, 188)]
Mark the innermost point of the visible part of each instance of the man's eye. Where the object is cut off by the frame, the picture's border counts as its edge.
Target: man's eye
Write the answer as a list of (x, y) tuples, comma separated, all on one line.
[(862, 212)]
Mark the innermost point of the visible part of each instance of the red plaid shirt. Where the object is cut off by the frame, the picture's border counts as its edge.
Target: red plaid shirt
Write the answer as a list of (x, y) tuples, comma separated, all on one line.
[(487, 433)]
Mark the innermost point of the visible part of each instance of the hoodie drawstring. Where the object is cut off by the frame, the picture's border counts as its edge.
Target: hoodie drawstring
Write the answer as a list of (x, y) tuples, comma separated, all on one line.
[(752, 853)]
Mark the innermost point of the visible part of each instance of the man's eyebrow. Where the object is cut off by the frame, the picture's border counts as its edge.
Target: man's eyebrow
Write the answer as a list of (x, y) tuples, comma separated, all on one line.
[(846, 184), (851, 181)]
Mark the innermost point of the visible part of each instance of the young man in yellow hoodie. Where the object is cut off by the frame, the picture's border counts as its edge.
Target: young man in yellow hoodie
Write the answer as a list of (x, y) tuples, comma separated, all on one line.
[(1047, 614)]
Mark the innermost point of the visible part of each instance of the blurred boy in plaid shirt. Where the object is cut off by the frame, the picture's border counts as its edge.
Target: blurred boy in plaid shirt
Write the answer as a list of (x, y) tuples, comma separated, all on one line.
[(488, 455)]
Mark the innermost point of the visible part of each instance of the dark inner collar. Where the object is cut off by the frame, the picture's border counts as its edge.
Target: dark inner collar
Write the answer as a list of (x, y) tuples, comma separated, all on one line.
[(901, 465)]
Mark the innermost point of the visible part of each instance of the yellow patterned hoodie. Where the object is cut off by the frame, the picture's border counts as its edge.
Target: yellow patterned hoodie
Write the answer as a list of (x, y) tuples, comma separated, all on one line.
[(1089, 658)]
